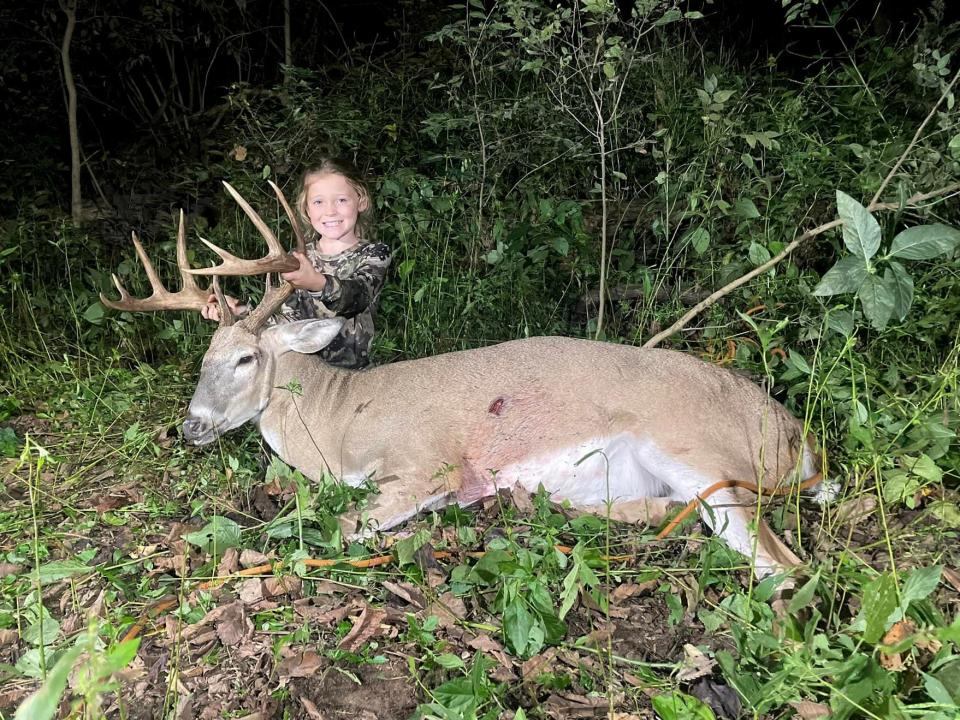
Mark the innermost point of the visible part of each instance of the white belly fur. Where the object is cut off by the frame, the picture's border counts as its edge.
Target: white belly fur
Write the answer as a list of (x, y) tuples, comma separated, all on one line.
[(606, 469)]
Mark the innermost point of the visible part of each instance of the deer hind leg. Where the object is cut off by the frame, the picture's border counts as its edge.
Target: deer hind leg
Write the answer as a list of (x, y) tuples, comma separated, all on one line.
[(731, 513)]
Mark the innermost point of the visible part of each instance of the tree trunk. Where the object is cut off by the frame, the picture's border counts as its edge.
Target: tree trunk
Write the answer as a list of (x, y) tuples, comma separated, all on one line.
[(69, 8), (287, 43)]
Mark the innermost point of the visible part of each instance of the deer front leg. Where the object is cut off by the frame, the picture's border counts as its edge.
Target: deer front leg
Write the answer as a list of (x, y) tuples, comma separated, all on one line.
[(397, 501)]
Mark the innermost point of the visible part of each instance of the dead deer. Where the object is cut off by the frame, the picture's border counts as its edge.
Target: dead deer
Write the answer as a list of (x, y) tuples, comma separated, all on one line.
[(594, 423)]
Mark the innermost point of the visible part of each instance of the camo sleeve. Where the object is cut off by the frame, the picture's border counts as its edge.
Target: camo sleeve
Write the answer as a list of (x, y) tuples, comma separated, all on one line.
[(354, 281), (355, 288)]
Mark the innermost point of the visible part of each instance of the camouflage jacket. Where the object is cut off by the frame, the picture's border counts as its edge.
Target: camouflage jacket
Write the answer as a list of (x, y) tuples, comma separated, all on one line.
[(354, 280)]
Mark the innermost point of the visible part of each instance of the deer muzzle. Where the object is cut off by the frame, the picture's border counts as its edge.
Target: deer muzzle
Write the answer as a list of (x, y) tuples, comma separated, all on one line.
[(199, 431)]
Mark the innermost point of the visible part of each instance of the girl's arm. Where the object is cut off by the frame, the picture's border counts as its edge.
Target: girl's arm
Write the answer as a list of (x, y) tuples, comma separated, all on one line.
[(351, 295)]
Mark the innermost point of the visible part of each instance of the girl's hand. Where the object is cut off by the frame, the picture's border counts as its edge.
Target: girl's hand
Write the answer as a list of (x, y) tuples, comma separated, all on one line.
[(305, 277), (211, 311)]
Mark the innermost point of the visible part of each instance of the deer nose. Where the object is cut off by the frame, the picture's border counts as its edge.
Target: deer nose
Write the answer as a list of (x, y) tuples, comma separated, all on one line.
[(193, 429)]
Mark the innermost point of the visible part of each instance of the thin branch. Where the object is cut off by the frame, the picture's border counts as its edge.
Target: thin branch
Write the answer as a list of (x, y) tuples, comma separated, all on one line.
[(916, 136), (726, 289)]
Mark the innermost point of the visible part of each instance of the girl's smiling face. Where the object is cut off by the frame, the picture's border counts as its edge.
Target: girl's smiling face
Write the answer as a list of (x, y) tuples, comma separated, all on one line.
[(333, 206)]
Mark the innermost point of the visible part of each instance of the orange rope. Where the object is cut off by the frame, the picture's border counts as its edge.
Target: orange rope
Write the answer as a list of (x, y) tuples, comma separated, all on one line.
[(377, 560)]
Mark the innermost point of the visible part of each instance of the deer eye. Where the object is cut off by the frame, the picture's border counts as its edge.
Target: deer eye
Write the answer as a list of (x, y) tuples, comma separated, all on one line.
[(244, 359)]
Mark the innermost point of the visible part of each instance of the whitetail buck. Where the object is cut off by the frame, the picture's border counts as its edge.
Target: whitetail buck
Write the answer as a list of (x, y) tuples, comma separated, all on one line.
[(456, 427)]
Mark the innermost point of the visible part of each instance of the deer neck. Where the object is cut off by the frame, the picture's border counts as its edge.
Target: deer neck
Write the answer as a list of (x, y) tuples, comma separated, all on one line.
[(295, 421)]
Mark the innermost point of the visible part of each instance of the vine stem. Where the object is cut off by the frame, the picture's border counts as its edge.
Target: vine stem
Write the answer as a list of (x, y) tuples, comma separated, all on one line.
[(874, 205), (726, 289), (916, 136)]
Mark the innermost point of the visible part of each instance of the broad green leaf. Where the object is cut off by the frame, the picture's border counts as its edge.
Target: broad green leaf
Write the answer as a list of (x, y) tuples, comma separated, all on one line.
[(949, 675), (805, 594), (879, 601), (845, 277), (925, 242), (458, 696), (758, 254), (954, 145), (699, 240), (43, 631), (571, 589), (925, 467), (721, 96), (919, 584), (122, 654), (900, 285), (45, 702), (841, 321), (679, 706), (877, 301), (937, 692), (406, 548), (94, 314), (668, 17), (217, 535), (861, 231), (517, 626), (946, 512), (449, 661), (745, 208), (57, 570)]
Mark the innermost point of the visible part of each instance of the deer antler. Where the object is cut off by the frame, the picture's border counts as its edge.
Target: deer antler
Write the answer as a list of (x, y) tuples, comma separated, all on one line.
[(276, 260), (190, 297)]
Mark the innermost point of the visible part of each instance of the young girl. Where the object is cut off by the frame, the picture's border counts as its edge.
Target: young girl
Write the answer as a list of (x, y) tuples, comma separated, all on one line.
[(342, 272)]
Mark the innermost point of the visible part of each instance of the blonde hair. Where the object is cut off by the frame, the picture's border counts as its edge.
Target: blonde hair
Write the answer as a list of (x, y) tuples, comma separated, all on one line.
[(344, 168)]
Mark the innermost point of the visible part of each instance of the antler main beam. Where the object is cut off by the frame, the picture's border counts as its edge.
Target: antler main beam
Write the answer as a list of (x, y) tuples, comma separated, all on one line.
[(276, 260), (189, 297)]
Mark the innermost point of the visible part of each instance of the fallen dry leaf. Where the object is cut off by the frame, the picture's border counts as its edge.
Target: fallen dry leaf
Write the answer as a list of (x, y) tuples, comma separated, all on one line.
[(285, 585), (809, 710), (448, 608), (234, 627), (406, 591), (250, 591), (629, 590), (695, 664), (949, 574), (229, 563), (304, 664), (899, 632), (487, 644), (538, 664), (311, 709), (252, 558), (522, 500), (364, 627), (855, 509)]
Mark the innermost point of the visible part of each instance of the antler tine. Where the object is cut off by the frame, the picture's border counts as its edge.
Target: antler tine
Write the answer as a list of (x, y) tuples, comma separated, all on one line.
[(273, 298), (276, 260), (190, 297), (186, 278), (298, 231), (226, 314)]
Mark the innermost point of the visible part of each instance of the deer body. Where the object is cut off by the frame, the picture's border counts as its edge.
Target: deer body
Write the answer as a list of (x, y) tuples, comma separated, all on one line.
[(595, 423), (592, 422)]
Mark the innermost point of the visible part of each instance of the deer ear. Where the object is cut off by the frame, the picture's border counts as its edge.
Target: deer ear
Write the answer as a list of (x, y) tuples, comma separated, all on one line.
[(304, 336)]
